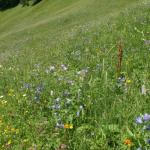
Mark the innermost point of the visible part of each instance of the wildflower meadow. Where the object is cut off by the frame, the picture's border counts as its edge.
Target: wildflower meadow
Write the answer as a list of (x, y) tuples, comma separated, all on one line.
[(78, 80)]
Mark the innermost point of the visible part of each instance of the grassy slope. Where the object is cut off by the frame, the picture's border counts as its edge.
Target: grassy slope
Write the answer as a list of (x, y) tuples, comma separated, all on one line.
[(49, 22), (78, 34)]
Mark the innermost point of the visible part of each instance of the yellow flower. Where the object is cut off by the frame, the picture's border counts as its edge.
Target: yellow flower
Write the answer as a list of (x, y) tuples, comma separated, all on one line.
[(68, 126), (128, 81), (71, 126), (9, 142)]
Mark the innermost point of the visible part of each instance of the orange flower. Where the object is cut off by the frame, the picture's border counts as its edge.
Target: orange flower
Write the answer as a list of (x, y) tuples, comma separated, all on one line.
[(66, 126), (128, 142)]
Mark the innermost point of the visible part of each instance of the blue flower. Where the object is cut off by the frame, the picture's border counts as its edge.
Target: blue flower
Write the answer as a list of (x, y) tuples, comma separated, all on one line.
[(139, 120)]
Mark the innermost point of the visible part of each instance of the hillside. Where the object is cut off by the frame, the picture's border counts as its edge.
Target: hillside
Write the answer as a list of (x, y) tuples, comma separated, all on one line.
[(75, 75)]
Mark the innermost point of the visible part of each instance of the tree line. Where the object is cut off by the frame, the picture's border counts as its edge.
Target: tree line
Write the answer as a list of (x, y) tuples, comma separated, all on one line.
[(5, 4)]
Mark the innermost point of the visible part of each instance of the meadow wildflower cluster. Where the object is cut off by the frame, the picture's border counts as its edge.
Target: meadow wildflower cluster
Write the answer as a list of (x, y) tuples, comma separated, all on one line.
[(81, 94)]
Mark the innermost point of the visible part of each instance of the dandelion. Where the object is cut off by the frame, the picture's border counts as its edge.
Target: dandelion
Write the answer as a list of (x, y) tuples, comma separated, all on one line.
[(128, 142), (139, 120)]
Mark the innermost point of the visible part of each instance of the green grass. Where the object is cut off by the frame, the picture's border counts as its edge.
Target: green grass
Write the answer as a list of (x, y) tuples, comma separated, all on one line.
[(83, 35)]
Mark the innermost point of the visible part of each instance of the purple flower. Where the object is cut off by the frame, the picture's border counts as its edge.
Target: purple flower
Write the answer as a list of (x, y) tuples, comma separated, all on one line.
[(139, 120), (146, 117)]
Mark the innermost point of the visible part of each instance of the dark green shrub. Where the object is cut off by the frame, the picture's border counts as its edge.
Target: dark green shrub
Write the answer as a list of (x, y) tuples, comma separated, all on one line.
[(5, 4)]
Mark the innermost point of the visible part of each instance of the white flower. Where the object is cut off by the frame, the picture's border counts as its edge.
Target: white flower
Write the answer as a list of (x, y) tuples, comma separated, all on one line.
[(24, 95), (1, 96), (143, 90), (64, 67), (52, 93), (52, 68)]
